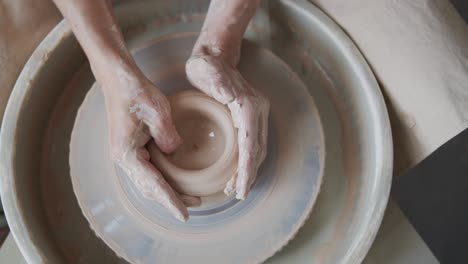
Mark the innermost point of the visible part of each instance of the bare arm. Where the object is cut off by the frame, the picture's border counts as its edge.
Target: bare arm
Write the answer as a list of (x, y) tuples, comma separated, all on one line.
[(94, 26)]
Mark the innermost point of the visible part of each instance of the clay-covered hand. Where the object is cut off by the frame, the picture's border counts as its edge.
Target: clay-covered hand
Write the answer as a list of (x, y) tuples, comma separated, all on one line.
[(249, 110), (137, 113), (212, 69)]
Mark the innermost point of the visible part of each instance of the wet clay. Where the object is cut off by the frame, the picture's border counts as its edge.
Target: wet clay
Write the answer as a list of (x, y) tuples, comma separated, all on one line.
[(207, 158), (203, 141)]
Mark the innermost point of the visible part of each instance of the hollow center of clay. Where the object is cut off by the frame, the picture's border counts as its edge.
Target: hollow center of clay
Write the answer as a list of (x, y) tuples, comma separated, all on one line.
[(203, 141), (207, 158)]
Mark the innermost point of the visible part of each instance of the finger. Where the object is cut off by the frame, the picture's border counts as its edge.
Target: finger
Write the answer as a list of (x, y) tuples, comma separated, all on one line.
[(210, 76), (246, 120), (264, 111), (190, 201), (152, 185), (164, 134), (230, 186), (155, 113), (247, 170), (262, 149)]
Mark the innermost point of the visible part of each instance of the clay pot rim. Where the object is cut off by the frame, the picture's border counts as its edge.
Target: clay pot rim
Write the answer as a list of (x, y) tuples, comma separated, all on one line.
[(230, 148), (214, 177)]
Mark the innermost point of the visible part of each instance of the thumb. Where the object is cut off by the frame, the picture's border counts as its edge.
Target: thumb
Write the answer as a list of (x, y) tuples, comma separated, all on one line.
[(165, 135), (211, 76)]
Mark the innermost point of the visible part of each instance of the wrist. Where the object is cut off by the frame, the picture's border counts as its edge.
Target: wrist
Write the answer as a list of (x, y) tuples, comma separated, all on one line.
[(224, 46), (118, 76)]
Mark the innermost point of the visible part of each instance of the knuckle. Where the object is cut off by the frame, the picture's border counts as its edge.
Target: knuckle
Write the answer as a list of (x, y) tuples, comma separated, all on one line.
[(195, 63)]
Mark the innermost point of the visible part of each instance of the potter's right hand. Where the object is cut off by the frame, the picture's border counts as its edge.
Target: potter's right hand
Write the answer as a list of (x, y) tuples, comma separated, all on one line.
[(137, 113), (212, 69)]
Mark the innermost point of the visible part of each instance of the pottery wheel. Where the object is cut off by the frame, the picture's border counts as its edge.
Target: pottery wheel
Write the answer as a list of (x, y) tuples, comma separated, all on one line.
[(222, 229)]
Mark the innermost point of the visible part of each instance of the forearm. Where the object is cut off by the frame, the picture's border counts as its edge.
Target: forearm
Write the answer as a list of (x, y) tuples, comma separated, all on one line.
[(224, 28), (94, 25)]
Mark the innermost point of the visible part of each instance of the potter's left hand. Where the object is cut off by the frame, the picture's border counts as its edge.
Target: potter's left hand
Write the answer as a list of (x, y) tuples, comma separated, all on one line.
[(137, 111), (212, 69)]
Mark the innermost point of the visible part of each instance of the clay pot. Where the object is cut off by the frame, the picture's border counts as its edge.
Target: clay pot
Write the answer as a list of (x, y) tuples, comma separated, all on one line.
[(207, 159)]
